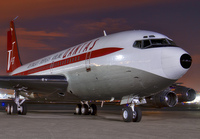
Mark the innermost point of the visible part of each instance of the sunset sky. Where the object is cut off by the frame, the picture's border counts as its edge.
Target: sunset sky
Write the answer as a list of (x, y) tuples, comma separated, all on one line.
[(48, 26)]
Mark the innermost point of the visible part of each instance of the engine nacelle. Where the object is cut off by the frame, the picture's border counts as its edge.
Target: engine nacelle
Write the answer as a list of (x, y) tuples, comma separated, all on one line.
[(185, 94), (166, 98)]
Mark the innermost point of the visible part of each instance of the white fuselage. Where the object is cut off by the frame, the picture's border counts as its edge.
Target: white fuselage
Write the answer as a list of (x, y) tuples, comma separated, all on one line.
[(110, 66)]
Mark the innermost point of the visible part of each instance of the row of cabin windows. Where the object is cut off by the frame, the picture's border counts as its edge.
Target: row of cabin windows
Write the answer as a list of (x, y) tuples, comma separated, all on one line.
[(66, 61)]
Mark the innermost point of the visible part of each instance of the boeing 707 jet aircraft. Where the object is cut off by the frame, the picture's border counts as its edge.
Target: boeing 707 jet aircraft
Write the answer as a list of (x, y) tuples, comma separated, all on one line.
[(129, 66)]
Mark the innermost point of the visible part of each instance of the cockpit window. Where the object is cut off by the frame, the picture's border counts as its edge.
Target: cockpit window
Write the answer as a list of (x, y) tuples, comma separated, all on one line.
[(138, 44), (151, 43), (171, 42), (146, 43), (159, 42)]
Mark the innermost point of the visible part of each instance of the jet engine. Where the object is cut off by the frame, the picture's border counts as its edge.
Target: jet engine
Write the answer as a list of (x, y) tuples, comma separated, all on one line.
[(185, 94), (166, 98)]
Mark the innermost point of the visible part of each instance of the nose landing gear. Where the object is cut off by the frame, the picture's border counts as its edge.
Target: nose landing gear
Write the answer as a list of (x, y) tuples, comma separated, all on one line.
[(128, 114), (131, 113)]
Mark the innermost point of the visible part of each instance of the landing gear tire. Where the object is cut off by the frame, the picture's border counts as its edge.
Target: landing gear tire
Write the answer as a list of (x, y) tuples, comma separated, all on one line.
[(84, 109), (127, 114), (78, 109), (23, 110), (13, 108), (137, 114), (8, 109), (93, 109)]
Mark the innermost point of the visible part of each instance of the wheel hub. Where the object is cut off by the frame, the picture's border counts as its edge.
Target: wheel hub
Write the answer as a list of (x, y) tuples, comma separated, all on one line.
[(125, 114)]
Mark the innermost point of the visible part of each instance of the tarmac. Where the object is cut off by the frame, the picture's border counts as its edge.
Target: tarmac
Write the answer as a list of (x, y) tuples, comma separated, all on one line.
[(49, 123)]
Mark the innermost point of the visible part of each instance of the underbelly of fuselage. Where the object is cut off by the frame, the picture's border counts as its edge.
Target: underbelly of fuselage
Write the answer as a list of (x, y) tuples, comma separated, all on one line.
[(105, 82)]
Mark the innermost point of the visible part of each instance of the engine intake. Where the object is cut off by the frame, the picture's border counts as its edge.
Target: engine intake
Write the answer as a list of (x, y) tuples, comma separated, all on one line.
[(185, 94), (165, 98)]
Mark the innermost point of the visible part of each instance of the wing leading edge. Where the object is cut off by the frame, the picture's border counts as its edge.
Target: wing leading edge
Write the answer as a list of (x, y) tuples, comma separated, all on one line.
[(46, 84)]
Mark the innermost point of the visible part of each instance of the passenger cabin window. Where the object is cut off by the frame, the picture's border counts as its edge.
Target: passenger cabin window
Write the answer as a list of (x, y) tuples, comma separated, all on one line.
[(152, 43)]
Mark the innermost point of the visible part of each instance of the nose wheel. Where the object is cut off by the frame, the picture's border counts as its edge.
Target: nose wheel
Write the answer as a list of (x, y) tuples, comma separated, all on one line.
[(131, 113), (127, 114)]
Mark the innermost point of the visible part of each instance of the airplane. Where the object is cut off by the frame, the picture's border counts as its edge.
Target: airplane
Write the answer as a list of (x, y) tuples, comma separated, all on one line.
[(128, 66)]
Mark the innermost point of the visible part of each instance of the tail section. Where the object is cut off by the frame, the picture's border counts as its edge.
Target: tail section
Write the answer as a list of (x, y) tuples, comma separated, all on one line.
[(13, 58)]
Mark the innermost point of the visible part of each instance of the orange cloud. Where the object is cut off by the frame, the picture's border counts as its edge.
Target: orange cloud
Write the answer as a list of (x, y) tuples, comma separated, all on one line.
[(39, 8), (95, 28), (24, 32), (107, 23), (33, 44), (110, 23), (32, 39)]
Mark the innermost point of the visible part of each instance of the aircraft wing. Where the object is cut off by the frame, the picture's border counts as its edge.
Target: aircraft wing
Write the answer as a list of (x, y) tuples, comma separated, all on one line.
[(35, 83)]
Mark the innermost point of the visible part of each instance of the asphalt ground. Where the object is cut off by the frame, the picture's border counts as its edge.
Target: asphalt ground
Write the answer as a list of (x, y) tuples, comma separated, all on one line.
[(55, 122)]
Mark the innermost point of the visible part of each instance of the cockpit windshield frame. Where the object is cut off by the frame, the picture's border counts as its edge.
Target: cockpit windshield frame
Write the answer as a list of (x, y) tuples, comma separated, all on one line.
[(153, 43)]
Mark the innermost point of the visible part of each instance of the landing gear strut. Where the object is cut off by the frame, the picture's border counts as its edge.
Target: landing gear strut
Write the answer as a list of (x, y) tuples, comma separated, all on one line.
[(86, 109), (16, 107)]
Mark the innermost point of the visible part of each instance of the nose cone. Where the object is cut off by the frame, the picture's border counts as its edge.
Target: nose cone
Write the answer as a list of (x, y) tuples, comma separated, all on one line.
[(175, 62)]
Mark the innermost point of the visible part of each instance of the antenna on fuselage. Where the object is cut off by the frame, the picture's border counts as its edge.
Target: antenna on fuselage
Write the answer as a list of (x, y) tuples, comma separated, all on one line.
[(104, 33)]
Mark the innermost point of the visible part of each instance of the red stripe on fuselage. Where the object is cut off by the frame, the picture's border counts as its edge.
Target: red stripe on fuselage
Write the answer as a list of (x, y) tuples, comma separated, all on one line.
[(71, 60)]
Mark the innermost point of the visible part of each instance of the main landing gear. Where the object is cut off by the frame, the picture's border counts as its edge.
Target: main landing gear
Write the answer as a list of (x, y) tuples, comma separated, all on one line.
[(131, 113), (16, 107), (86, 109)]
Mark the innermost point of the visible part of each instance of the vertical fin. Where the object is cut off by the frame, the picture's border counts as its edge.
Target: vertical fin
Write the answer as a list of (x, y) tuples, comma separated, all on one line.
[(13, 58)]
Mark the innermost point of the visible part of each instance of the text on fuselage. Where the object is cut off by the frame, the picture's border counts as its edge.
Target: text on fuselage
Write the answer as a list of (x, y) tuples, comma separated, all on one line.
[(85, 47), (80, 48)]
